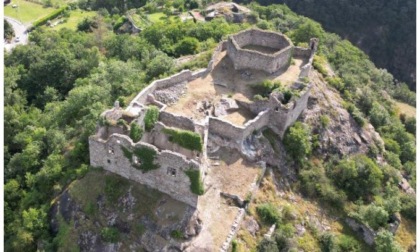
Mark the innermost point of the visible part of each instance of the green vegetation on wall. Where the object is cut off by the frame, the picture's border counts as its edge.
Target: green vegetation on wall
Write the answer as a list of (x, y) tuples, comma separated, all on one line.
[(151, 117), (136, 132), (145, 158), (196, 186), (185, 138)]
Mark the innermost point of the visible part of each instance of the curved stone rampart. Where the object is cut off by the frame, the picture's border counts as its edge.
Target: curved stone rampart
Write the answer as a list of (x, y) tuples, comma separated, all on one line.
[(244, 58)]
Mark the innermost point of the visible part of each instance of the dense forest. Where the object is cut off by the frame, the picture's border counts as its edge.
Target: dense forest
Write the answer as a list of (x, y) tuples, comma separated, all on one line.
[(56, 88), (383, 29)]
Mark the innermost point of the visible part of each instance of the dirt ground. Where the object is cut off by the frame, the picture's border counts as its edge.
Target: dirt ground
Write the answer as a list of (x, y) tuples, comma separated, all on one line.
[(225, 81), (231, 174)]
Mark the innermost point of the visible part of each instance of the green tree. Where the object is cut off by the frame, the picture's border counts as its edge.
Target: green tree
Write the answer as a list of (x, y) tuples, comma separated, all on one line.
[(297, 141), (384, 242), (309, 29), (186, 46), (358, 176)]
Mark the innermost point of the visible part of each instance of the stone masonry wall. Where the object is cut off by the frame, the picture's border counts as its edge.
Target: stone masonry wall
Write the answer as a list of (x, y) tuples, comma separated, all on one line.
[(249, 59), (302, 52), (176, 121), (235, 133), (109, 155)]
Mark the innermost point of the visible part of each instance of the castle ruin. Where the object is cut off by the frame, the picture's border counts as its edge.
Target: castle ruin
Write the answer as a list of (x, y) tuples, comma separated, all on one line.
[(218, 104)]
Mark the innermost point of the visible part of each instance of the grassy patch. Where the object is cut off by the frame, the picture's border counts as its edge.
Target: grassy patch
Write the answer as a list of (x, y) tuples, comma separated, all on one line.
[(76, 16), (197, 186), (115, 187), (269, 213), (160, 17), (406, 234), (185, 138), (26, 12), (64, 237), (404, 108), (110, 234)]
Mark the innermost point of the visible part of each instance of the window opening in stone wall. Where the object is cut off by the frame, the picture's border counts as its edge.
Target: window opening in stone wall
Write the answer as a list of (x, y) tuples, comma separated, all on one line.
[(111, 150), (109, 161), (171, 171), (277, 109)]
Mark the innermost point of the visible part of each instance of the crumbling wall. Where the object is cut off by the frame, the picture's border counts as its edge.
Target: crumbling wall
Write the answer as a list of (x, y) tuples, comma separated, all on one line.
[(176, 121), (235, 133), (161, 140), (301, 52), (141, 98), (169, 178)]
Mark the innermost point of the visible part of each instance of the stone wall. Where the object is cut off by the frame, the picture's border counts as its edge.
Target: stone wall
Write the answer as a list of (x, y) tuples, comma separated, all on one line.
[(109, 155), (366, 233), (301, 52), (235, 133), (176, 121), (283, 116), (251, 59), (158, 138), (185, 75)]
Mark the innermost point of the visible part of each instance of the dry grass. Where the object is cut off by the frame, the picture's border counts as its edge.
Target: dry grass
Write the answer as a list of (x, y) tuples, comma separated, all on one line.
[(406, 234), (404, 108)]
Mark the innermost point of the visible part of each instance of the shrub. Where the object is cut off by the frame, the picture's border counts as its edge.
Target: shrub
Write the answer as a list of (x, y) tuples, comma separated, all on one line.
[(410, 125), (185, 138), (348, 244), (196, 186), (358, 176), (136, 132), (374, 216), (267, 245), (187, 46), (259, 97), (391, 145), (325, 120), (110, 234), (177, 234), (297, 141), (234, 246), (287, 95), (328, 242), (151, 117), (269, 213), (393, 159), (265, 87), (336, 82), (408, 206), (146, 157), (384, 242), (318, 64)]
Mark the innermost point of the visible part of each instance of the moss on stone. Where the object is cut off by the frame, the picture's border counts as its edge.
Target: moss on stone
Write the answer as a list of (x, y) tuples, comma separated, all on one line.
[(196, 186)]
